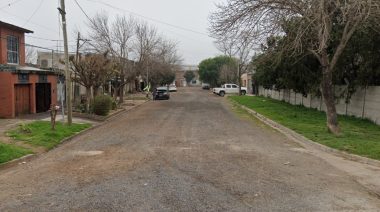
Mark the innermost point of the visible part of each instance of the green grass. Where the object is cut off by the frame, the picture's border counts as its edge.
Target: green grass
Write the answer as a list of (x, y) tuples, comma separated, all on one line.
[(361, 136), (9, 152), (42, 134)]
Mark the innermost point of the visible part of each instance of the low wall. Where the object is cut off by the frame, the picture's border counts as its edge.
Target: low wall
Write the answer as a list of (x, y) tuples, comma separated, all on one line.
[(365, 103)]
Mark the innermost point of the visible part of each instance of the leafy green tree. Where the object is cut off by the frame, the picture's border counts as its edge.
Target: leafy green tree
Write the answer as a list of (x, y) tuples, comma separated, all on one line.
[(189, 75), (208, 72), (218, 70), (314, 24)]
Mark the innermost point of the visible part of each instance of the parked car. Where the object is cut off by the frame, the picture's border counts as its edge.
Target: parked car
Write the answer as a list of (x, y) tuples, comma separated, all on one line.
[(172, 88), (229, 89), (162, 93), (206, 87)]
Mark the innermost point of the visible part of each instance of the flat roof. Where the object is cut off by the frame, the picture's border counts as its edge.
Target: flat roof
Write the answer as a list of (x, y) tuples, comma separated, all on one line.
[(15, 27)]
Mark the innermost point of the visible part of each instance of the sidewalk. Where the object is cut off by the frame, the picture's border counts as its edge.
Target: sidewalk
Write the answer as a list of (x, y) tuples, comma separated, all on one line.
[(12, 124)]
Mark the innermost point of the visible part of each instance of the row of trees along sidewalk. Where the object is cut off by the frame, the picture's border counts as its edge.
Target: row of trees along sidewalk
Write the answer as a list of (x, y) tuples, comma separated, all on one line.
[(310, 25), (122, 50)]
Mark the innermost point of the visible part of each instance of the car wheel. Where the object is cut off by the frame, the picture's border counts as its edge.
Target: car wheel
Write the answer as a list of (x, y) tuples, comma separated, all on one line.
[(243, 93), (221, 93)]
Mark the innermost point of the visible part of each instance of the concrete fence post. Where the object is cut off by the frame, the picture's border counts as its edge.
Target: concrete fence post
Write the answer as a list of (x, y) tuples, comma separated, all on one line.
[(363, 108), (311, 97)]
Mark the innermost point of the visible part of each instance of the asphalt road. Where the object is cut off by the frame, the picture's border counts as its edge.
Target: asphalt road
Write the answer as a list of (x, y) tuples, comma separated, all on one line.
[(194, 152)]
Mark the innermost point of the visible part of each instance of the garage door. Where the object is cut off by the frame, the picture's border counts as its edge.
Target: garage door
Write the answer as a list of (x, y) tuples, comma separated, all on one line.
[(22, 100)]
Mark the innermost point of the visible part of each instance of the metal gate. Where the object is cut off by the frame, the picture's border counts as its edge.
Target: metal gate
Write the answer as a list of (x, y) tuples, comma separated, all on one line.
[(22, 100), (43, 97)]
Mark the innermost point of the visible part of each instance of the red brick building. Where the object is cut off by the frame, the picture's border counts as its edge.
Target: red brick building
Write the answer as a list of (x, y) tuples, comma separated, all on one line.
[(23, 90)]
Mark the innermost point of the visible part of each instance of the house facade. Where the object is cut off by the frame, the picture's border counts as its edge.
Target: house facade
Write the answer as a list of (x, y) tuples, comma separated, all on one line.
[(23, 90), (246, 81)]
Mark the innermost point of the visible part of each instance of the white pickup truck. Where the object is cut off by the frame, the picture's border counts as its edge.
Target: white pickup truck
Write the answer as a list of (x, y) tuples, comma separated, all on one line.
[(229, 89)]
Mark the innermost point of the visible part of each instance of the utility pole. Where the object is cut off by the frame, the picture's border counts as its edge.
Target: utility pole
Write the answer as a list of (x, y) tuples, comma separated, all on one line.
[(68, 82), (76, 60)]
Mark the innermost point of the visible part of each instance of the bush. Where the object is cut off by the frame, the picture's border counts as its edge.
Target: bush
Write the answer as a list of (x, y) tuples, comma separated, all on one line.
[(114, 104), (101, 105)]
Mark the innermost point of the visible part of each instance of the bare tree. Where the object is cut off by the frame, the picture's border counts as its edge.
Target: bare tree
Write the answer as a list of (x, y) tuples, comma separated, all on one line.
[(118, 39), (30, 55), (311, 24), (228, 73), (90, 70), (147, 41), (240, 48)]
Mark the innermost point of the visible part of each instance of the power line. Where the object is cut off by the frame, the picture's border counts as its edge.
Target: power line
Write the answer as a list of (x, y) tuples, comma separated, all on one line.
[(84, 12), (45, 38), (152, 19), (8, 5), (29, 21), (34, 13), (124, 11), (40, 47), (187, 37)]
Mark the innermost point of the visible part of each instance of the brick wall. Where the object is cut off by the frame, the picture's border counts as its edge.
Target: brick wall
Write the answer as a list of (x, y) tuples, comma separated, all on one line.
[(7, 82), (6, 95), (3, 45)]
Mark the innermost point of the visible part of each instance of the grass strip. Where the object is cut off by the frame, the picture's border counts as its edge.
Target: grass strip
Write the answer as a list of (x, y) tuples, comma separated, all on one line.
[(361, 136), (9, 152), (42, 134)]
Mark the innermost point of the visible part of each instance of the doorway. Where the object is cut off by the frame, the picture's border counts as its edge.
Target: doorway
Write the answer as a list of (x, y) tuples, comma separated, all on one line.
[(43, 97), (22, 100)]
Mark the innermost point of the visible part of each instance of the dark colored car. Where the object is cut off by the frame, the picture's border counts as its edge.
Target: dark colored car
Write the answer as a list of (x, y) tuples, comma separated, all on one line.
[(162, 93), (206, 87)]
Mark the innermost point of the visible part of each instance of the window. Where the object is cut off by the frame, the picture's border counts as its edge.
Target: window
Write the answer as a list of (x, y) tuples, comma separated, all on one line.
[(228, 86), (12, 49), (77, 91), (194, 82), (234, 86)]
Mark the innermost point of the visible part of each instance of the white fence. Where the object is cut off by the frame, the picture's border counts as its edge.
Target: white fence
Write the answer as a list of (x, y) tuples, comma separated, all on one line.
[(365, 103)]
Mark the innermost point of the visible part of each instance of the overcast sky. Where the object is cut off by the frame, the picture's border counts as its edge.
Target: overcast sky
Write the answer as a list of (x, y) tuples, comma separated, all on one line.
[(182, 20)]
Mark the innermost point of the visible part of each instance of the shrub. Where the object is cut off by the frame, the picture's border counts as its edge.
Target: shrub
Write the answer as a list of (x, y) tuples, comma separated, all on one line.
[(101, 105), (114, 104)]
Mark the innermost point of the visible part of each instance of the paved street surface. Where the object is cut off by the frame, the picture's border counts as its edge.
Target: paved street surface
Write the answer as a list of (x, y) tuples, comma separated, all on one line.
[(194, 152)]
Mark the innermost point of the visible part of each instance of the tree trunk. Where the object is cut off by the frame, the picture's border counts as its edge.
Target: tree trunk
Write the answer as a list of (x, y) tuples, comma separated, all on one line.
[(96, 90), (115, 90), (121, 89), (328, 96), (239, 80), (88, 97)]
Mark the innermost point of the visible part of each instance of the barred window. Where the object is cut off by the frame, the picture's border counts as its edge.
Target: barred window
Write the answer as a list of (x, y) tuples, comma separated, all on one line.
[(12, 49)]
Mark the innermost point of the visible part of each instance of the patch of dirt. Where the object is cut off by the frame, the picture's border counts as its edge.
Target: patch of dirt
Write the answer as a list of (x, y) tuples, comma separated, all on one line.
[(9, 140)]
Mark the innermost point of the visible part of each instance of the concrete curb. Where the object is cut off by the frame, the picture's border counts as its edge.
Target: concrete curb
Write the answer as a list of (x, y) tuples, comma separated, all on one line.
[(299, 138), (68, 139)]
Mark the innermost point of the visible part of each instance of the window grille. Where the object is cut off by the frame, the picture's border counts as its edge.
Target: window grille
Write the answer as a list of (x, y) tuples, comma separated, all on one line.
[(12, 49)]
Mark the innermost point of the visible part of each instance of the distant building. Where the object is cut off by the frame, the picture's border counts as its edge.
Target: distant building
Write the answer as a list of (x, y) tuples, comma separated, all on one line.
[(180, 81)]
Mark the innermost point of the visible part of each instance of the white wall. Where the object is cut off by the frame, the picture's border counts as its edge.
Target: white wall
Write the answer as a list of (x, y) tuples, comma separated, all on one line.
[(365, 103)]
